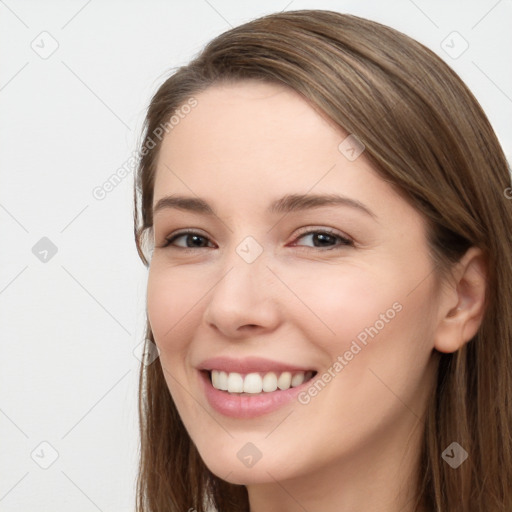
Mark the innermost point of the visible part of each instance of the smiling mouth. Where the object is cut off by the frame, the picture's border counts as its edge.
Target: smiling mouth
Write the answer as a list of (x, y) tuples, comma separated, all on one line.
[(255, 383)]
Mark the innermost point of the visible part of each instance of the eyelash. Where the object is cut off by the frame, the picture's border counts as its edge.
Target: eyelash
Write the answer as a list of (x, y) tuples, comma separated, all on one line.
[(345, 242)]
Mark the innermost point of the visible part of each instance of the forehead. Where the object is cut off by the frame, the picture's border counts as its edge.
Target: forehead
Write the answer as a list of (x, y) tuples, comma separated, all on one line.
[(249, 128), (250, 142), (246, 115)]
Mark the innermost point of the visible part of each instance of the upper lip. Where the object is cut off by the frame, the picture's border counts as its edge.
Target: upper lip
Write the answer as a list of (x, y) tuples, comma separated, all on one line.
[(249, 365)]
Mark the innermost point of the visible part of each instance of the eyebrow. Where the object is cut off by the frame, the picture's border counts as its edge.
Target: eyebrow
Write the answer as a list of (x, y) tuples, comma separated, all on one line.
[(286, 204)]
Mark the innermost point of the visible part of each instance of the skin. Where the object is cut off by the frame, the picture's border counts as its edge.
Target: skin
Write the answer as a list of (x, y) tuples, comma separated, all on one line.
[(355, 445)]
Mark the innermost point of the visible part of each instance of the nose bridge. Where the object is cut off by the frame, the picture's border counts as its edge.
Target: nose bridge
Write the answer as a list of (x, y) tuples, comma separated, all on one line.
[(242, 296), (246, 267)]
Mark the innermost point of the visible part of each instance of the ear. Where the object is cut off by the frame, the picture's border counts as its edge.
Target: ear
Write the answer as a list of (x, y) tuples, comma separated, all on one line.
[(461, 308)]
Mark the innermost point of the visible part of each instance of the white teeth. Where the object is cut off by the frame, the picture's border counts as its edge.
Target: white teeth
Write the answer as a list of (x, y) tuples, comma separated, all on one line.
[(235, 383), (255, 383), (270, 382), (223, 381), (215, 379), (284, 381), (297, 380), (220, 380)]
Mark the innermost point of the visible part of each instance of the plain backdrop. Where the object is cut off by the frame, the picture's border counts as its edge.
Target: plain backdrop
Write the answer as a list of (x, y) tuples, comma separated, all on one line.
[(75, 80)]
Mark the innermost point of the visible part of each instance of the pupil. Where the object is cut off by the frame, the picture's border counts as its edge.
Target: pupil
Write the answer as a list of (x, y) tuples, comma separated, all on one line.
[(323, 237), (196, 238)]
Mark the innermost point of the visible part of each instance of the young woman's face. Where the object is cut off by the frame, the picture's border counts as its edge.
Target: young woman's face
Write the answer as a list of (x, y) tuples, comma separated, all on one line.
[(302, 284)]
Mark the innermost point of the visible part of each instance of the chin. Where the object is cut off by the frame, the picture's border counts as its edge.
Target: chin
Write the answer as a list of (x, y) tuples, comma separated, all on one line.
[(236, 472), (247, 476)]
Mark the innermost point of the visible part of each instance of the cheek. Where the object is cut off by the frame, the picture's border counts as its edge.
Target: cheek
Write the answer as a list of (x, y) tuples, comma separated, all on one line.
[(170, 309), (382, 333), (170, 306), (376, 318), (338, 303)]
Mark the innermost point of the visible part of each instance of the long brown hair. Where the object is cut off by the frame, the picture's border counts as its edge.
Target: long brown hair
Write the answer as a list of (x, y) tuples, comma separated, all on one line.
[(428, 137)]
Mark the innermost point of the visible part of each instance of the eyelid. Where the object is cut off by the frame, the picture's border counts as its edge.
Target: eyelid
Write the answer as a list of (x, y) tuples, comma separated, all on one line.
[(169, 239), (346, 241)]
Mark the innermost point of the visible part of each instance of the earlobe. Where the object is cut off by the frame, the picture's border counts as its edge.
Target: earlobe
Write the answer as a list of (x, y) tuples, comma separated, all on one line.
[(462, 310)]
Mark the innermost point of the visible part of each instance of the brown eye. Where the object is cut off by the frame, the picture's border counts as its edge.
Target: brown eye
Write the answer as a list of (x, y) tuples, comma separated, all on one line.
[(326, 239), (192, 239)]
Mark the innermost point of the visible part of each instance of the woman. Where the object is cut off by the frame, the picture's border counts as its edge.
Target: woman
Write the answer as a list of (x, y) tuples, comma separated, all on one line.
[(324, 215)]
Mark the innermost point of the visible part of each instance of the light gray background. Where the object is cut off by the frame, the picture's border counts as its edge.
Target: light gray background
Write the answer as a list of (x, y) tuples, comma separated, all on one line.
[(71, 325)]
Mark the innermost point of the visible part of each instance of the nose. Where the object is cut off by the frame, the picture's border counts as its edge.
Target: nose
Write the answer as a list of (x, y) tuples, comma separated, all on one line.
[(244, 301)]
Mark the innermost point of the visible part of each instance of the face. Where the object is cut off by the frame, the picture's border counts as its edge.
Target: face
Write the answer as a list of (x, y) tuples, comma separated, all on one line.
[(342, 290)]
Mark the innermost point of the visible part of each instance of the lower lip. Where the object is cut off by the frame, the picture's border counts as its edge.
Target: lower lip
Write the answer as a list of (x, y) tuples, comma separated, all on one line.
[(247, 406)]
